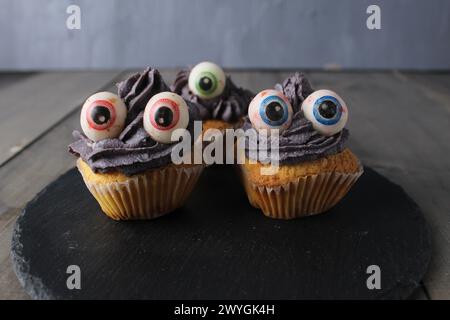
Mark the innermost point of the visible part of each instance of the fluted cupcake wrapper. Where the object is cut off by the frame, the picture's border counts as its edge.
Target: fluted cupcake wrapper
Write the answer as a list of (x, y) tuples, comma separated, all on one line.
[(301, 197), (148, 195)]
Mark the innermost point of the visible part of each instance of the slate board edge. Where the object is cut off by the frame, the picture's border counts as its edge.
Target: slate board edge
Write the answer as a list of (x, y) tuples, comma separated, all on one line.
[(37, 290), (409, 287), (32, 285)]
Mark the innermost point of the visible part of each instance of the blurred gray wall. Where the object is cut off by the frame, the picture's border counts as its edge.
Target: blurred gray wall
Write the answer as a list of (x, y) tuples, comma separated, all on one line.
[(235, 33)]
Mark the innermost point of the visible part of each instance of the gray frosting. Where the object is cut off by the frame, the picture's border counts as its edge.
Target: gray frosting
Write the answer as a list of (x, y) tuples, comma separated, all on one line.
[(300, 142), (230, 106), (134, 151), (296, 88)]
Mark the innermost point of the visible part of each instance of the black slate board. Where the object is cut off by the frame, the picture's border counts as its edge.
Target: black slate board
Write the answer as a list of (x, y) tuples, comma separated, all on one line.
[(219, 247)]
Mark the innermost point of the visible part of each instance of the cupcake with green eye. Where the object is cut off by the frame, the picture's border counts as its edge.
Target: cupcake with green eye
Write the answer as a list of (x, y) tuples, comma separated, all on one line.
[(225, 105)]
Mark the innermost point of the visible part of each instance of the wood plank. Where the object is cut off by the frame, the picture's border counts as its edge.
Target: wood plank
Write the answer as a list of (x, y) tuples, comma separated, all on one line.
[(10, 287), (257, 80), (31, 106), (434, 85), (25, 175), (403, 132), (43, 161), (11, 78), (386, 109), (5, 233)]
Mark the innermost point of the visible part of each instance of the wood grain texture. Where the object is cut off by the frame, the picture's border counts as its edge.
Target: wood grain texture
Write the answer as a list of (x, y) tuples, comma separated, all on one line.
[(399, 125), (32, 105), (10, 287), (30, 171), (436, 86), (44, 160), (13, 78)]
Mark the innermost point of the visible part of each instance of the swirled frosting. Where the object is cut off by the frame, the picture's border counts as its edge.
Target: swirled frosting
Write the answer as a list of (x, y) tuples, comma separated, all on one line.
[(230, 106), (134, 151), (300, 142), (296, 88)]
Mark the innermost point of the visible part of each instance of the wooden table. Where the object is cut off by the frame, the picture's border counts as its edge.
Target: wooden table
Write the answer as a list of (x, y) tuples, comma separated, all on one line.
[(400, 125)]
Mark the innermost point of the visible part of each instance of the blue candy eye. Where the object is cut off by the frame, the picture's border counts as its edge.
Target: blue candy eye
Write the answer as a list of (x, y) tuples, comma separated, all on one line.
[(270, 110), (326, 110), (273, 111)]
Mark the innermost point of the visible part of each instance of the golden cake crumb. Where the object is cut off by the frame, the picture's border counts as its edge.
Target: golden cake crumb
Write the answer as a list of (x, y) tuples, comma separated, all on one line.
[(115, 176), (216, 124), (344, 162)]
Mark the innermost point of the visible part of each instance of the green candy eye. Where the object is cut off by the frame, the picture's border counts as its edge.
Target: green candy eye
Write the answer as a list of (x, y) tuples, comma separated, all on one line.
[(207, 80), (206, 83)]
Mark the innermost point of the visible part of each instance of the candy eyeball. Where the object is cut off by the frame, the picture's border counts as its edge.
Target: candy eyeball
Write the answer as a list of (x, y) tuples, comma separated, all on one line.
[(270, 109), (207, 80), (327, 112), (164, 113), (103, 116)]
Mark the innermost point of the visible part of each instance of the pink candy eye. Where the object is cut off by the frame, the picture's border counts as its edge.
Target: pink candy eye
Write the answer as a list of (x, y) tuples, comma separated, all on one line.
[(103, 116), (164, 113)]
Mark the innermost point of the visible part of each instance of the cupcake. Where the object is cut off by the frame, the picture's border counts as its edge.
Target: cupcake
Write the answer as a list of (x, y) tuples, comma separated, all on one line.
[(124, 149), (225, 104), (313, 168)]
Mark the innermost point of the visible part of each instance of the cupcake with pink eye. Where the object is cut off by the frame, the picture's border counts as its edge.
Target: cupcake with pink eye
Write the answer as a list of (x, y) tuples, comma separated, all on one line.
[(125, 148), (308, 169), (225, 104)]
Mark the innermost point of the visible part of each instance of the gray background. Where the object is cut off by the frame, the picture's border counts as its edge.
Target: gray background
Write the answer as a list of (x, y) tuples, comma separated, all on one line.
[(238, 34)]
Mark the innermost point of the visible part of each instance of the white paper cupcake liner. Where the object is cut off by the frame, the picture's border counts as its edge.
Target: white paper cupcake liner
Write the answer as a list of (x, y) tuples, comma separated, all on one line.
[(303, 196), (147, 195)]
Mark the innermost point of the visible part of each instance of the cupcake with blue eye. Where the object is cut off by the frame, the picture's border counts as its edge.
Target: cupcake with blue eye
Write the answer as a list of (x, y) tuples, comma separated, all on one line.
[(224, 104), (308, 169), (125, 148)]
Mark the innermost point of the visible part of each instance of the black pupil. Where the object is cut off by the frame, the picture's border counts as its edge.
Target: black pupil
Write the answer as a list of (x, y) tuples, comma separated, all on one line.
[(164, 116), (274, 111), (100, 115), (205, 83), (327, 109)]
